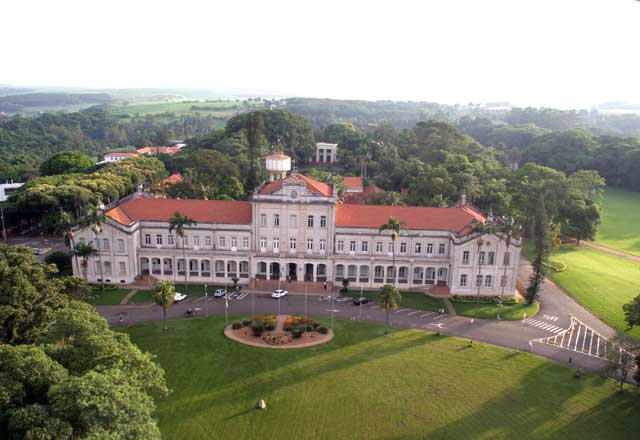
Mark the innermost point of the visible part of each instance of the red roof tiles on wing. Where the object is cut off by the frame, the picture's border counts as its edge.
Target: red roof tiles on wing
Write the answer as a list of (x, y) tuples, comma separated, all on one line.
[(202, 211), (458, 220), (352, 181), (312, 185)]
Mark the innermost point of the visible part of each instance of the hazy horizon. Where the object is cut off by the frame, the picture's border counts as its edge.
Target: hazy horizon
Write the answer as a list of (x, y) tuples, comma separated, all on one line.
[(573, 54)]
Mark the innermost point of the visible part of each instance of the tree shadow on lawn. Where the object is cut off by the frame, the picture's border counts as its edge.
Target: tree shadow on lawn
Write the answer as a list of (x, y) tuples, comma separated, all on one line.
[(279, 371), (540, 407)]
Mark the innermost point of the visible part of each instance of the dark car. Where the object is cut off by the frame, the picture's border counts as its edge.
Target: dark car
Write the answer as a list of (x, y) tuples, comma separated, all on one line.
[(359, 300)]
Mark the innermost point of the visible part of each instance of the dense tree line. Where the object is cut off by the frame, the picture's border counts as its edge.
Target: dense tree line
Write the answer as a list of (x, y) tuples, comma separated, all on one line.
[(63, 373), (17, 102), (26, 141)]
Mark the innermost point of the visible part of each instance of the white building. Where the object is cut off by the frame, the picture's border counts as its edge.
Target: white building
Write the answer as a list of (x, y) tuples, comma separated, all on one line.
[(8, 188), (293, 230), (114, 157), (326, 153)]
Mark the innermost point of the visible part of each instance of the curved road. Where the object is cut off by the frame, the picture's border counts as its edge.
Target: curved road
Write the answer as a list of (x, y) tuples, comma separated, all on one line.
[(555, 311)]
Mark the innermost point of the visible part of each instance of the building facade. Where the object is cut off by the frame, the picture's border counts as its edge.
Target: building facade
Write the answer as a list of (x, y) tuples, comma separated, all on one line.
[(293, 230)]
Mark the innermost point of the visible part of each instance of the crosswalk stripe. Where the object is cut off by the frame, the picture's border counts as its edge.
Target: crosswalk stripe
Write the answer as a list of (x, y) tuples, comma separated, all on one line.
[(413, 313), (427, 314), (373, 307), (400, 310)]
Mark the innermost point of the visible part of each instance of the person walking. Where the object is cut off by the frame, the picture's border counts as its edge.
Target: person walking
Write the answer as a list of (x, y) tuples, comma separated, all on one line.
[(325, 286)]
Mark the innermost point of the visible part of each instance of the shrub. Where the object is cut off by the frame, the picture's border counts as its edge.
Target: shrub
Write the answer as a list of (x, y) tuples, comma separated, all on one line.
[(246, 322), (257, 328), (315, 325), (308, 328), (236, 325), (287, 328), (62, 260), (323, 330), (269, 326), (296, 332)]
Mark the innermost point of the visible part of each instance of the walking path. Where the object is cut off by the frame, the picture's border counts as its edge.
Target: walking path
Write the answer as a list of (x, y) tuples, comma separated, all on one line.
[(610, 251), (126, 299), (450, 309)]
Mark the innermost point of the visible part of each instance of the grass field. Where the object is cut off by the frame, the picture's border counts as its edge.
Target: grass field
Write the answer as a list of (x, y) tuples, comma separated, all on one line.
[(620, 220), (600, 282), (218, 108), (413, 300), (408, 385), (508, 312), (107, 298)]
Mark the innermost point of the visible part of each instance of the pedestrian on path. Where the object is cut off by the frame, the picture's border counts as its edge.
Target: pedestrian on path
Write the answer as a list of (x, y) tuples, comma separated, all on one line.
[(530, 343), (472, 321), (325, 285)]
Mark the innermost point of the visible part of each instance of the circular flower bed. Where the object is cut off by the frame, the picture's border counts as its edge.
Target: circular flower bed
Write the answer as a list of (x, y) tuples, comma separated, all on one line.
[(279, 332), (276, 339)]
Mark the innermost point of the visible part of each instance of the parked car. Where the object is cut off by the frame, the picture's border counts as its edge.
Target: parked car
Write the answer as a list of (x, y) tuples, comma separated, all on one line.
[(219, 293), (359, 300), (177, 297), (279, 293)]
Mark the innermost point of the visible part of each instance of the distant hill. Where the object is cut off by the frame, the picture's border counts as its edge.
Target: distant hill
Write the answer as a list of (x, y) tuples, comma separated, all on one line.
[(27, 101)]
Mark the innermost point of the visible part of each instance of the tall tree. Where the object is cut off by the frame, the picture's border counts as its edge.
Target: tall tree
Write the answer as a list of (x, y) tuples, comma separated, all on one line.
[(388, 300), (581, 219), (619, 356), (393, 226), (179, 222), (508, 230), (164, 296), (632, 312), (95, 220), (541, 245), (83, 251), (254, 127), (66, 162)]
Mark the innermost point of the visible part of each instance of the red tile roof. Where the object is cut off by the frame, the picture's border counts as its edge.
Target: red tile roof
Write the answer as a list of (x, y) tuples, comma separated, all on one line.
[(361, 198), (312, 185), (173, 179), (202, 211), (121, 155), (158, 150), (458, 220), (352, 182)]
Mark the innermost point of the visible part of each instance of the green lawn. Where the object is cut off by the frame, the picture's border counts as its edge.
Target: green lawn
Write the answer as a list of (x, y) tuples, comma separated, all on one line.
[(107, 298), (413, 300), (408, 385), (142, 297), (620, 220), (600, 282), (490, 310)]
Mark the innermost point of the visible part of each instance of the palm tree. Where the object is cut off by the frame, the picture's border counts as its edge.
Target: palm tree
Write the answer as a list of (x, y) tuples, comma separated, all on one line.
[(84, 251), (389, 299), (179, 222), (65, 226), (164, 297), (508, 230), (393, 226), (94, 220)]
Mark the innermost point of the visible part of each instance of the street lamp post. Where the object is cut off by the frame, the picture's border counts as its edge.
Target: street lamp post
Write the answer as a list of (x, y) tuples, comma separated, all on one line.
[(206, 302)]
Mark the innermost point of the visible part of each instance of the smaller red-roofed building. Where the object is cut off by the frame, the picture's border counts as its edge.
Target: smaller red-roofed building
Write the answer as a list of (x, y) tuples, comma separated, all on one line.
[(114, 157), (156, 151)]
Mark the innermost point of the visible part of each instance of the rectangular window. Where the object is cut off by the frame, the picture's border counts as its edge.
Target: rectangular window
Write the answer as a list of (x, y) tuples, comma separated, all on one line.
[(147, 238), (97, 267), (105, 244), (263, 242), (465, 257), (492, 258), (340, 246), (352, 246), (478, 280), (503, 281), (292, 244), (378, 272), (107, 268), (122, 268), (441, 248), (245, 242), (364, 246), (418, 248), (309, 244), (310, 221), (463, 280), (263, 219), (234, 242), (276, 220), (81, 240), (488, 280), (120, 245), (403, 247), (207, 241), (482, 257), (323, 244), (379, 246), (196, 240), (185, 241), (222, 242), (390, 247), (323, 221), (170, 239), (430, 249), (293, 221), (276, 243), (506, 259), (159, 239)]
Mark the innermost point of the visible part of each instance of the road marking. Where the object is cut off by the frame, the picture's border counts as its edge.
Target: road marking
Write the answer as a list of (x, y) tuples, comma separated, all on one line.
[(440, 317), (427, 314), (373, 307), (401, 310), (242, 296), (340, 300), (439, 325), (413, 313), (332, 310)]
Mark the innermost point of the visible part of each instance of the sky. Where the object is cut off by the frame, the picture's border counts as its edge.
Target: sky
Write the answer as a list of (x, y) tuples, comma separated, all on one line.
[(562, 53)]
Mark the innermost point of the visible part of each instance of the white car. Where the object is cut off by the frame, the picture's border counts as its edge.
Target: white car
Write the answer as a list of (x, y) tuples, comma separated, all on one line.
[(279, 293), (219, 293), (177, 297)]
